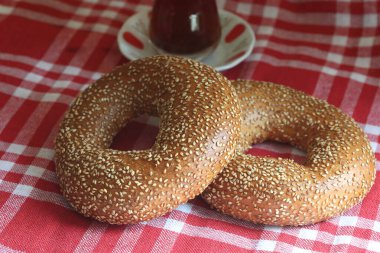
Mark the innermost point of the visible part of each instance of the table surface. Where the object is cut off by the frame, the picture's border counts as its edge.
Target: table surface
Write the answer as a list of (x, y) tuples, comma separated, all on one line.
[(51, 50)]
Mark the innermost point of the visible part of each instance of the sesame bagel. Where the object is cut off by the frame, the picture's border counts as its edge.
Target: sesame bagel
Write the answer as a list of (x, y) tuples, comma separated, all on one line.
[(338, 172), (199, 129)]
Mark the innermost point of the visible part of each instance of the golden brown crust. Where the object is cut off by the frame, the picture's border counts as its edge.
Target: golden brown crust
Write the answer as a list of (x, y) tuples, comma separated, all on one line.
[(338, 172), (200, 126)]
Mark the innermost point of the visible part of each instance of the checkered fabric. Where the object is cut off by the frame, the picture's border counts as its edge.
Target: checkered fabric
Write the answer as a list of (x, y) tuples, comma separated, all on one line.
[(51, 50)]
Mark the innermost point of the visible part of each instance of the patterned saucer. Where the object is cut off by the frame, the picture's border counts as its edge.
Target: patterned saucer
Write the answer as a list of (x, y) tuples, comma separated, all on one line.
[(236, 43)]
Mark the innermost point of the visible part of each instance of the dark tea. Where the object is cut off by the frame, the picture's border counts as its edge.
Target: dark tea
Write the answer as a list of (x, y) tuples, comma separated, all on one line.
[(185, 26)]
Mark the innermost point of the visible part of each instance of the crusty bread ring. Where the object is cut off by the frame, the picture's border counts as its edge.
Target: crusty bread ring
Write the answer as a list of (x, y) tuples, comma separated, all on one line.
[(200, 126), (338, 172)]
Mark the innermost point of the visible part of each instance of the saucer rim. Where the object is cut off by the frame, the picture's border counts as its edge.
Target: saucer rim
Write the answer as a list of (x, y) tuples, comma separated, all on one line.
[(250, 47)]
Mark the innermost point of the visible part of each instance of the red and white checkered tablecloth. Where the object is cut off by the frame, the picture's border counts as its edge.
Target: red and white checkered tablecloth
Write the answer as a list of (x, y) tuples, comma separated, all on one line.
[(50, 50)]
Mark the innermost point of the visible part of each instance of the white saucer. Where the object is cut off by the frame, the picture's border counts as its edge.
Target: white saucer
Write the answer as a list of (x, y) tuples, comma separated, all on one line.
[(235, 44)]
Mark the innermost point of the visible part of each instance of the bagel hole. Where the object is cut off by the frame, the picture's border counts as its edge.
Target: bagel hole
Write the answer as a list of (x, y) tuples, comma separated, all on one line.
[(278, 149), (138, 134)]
